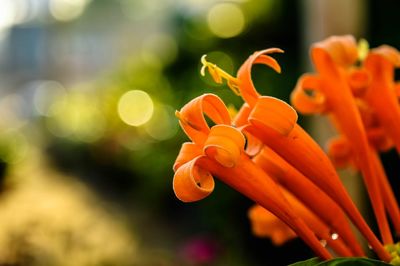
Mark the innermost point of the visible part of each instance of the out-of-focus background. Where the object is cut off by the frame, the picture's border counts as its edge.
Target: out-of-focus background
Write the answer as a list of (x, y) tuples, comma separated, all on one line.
[(88, 136)]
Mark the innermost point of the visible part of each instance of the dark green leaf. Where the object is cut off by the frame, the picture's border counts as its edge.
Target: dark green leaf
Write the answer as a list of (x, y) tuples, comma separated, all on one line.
[(341, 262), (309, 262)]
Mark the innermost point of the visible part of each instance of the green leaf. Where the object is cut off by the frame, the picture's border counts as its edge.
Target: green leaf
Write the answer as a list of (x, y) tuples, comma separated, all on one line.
[(341, 262), (309, 262)]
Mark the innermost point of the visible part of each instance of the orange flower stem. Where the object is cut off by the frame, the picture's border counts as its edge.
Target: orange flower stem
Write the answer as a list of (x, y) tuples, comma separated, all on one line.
[(363, 158), (312, 196), (254, 183), (321, 229), (300, 150)]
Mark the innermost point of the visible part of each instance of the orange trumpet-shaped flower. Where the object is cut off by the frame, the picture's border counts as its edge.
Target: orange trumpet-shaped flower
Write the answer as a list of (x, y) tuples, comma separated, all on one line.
[(274, 123), (380, 92), (331, 58), (222, 155)]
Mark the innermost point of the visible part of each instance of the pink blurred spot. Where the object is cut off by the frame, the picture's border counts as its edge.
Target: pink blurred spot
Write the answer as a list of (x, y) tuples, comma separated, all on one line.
[(200, 250)]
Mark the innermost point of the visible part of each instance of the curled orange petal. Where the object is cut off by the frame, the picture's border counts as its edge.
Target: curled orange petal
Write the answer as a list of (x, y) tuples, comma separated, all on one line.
[(192, 182), (275, 114), (224, 144), (246, 86), (253, 145), (342, 49), (192, 116), (188, 152), (268, 60), (306, 96)]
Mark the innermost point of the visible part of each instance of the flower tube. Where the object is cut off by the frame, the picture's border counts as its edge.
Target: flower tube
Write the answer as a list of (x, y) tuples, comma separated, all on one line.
[(263, 222), (341, 154), (310, 195), (223, 156), (331, 58)]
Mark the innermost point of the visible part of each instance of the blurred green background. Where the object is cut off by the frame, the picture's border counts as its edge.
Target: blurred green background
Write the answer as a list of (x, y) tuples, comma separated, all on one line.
[(88, 136)]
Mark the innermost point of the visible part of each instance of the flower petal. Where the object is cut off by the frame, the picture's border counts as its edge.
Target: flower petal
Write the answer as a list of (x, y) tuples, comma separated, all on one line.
[(307, 97), (192, 116), (224, 144), (192, 182), (246, 85), (342, 49), (275, 114), (189, 151)]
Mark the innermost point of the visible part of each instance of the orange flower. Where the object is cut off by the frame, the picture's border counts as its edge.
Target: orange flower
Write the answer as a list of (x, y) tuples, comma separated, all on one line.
[(265, 224), (273, 122), (221, 150), (380, 92), (332, 59)]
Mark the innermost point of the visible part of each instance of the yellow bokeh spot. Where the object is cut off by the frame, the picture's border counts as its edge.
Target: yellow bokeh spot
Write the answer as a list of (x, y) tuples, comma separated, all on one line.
[(65, 10), (226, 20), (135, 107)]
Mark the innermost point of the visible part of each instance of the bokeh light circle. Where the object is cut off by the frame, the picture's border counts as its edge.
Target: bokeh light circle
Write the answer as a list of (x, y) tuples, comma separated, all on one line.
[(135, 107), (163, 124), (226, 20), (65, 10)]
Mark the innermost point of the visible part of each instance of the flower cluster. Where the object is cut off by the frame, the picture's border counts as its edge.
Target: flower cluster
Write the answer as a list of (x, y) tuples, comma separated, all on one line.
[(263, 153)]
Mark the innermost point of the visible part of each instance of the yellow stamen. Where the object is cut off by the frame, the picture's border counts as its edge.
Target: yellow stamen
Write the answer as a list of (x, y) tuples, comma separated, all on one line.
[(363, 49), (219, 75)]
